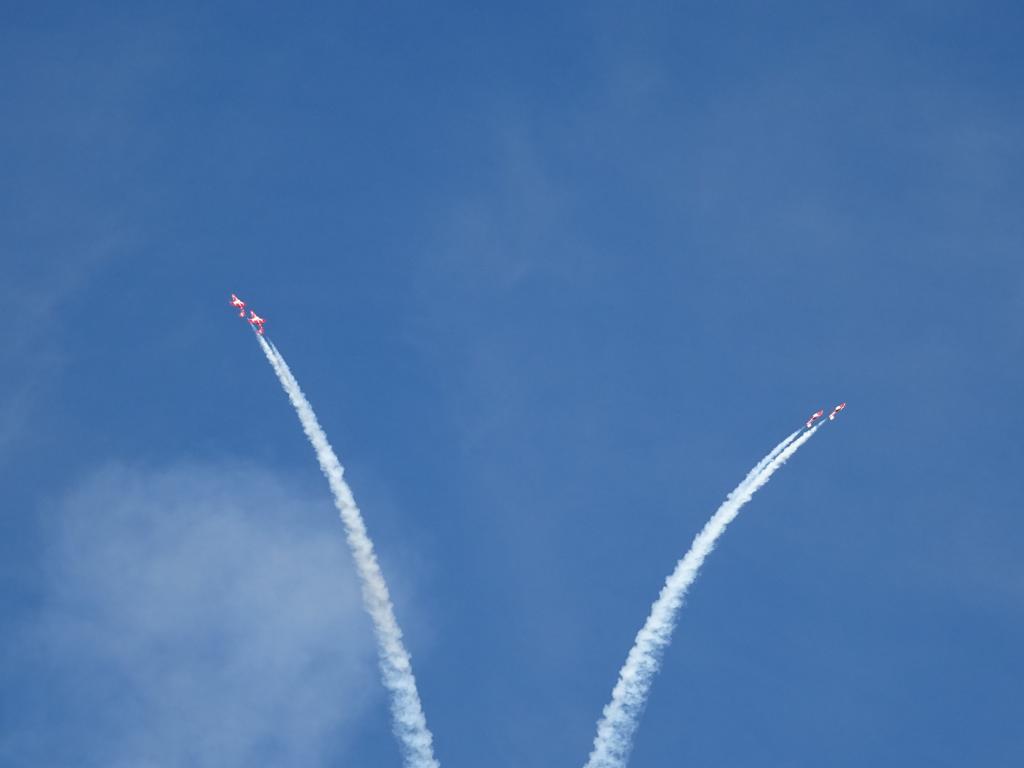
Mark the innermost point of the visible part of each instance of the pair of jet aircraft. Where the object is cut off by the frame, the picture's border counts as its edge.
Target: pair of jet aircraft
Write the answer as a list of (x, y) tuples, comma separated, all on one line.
[(254, 320), (819, 414)]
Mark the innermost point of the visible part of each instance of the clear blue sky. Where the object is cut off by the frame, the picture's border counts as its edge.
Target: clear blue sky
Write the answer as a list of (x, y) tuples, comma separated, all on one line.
[(554, 277)]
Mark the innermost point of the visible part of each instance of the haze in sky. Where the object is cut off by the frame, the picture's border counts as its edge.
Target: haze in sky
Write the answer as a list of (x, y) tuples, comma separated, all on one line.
[(555, 276)]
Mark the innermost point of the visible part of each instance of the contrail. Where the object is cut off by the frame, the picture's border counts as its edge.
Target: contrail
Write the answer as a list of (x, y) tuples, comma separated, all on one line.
[(621, 716), (410, 725)]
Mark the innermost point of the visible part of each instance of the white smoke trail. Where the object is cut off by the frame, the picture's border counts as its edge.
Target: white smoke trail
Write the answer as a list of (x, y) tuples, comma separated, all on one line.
[(622, 714), (759, 467), (410, 725)]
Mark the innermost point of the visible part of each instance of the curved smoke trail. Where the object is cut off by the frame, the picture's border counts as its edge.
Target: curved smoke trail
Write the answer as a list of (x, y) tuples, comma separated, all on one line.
[(396, 669), (621, 716)]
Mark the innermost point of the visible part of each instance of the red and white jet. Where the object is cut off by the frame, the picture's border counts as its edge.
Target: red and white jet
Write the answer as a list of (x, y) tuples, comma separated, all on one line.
[(237, 302), (836, 410), (815, 417), (256, 322)]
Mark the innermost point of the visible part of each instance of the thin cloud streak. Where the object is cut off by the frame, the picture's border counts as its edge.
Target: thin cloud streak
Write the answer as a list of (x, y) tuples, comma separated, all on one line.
[(620, 718), (410, 724)]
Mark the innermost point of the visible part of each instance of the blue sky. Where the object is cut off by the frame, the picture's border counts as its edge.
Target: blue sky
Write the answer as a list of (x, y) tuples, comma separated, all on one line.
[(554, 277)]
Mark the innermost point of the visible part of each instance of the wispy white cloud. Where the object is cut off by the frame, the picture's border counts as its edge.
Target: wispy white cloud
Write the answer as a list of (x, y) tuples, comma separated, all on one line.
[(190, 616), (33, 305)]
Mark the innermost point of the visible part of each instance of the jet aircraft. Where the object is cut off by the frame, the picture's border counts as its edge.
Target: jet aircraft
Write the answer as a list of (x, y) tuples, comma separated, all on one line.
[(815, 417), (835, 411), (256, 322), (237, 302)]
